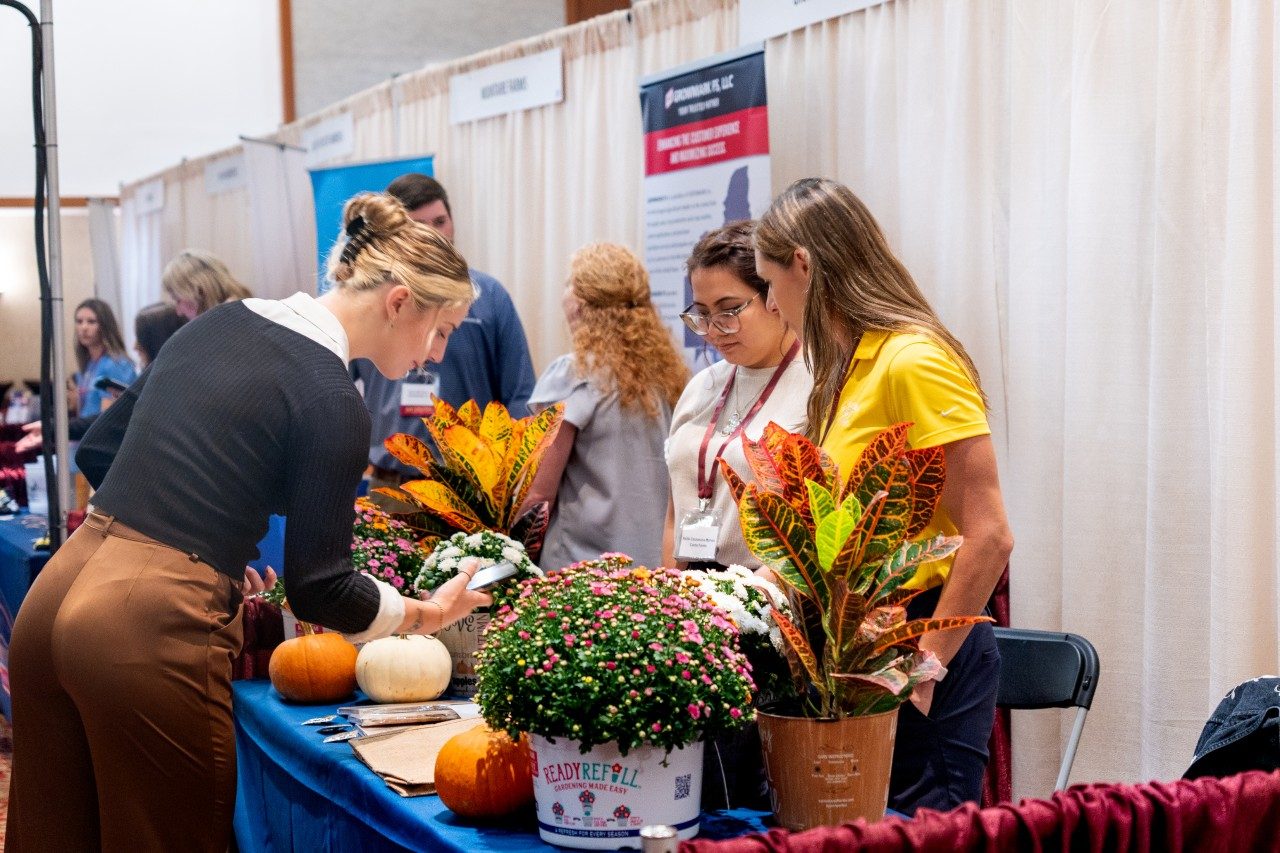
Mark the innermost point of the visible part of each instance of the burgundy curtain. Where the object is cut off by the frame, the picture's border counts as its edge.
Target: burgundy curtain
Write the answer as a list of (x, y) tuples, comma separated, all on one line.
[(1239, 813), (263, 631)]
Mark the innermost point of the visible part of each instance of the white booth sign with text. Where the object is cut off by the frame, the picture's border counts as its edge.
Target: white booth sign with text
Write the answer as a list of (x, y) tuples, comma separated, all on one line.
[(521, 84)]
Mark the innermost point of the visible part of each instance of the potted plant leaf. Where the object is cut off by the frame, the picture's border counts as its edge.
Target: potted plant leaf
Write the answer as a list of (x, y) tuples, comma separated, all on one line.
[(479, 475), (844, 550), (474, 482), (617, 673)]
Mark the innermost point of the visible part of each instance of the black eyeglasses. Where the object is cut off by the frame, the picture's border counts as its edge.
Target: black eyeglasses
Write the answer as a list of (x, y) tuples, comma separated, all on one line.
[(727, 322)]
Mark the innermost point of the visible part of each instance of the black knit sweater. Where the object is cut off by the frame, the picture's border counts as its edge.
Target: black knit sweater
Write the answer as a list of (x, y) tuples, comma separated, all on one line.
[(239, 418)]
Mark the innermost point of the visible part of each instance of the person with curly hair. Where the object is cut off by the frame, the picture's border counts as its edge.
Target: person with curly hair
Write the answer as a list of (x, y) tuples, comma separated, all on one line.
[(605, 475)]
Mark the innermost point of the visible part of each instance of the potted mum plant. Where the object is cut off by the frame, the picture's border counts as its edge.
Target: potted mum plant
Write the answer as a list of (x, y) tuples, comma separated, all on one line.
[(617, 673), (463, 638), (477, 480), (382, 547), (843, 549)]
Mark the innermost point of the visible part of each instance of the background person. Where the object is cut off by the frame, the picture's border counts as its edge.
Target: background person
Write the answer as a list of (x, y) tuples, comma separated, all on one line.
[(880, 356), (100, 353), (487, 358), (761, 379), (604, 474), (121, 656), (196, 281), (154, 325)]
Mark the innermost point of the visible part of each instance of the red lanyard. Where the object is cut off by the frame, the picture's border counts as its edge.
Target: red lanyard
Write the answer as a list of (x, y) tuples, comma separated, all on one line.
[(706, 482)]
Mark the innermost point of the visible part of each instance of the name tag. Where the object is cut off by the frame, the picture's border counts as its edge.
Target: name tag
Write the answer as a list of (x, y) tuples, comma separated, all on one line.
[(418, 394), (699, 536)]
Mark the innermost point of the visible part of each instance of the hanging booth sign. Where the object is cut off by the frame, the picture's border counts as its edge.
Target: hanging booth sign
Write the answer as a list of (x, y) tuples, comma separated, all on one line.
[(149, 197), (763, 19), (706, 163), (330, 140), (507, 87), (225, 174)]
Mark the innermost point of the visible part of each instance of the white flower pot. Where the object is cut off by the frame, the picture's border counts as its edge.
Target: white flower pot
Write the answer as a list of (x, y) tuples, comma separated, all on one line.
[(463, 640), (293, 628), (601, 800)]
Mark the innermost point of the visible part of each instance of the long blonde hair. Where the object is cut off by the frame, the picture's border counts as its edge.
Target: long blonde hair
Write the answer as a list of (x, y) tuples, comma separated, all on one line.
[(618, 339), (856, 285), (380, 243), (201, 278)]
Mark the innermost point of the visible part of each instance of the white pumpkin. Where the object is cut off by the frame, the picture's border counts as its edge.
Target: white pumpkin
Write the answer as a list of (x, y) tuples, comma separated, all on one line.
[(406, 668)]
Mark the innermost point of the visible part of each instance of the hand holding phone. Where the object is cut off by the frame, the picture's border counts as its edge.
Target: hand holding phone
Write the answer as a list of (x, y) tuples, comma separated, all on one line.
[(491, 576), (106, 383)]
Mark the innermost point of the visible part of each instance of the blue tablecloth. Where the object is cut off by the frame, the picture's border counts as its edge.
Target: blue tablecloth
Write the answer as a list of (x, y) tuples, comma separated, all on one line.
[(298, 793), (20, 562)]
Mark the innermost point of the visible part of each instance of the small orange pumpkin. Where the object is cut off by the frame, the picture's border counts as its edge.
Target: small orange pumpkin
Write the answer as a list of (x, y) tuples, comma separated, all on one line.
[(481, 774), (314, 667)]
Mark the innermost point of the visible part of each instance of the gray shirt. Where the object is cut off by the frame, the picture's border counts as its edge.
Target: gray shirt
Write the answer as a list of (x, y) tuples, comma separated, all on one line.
[(613, 495)]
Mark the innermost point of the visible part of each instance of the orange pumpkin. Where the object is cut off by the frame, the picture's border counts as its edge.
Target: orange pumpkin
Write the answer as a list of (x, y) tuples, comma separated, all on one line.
[(314, 667), (481, 773)]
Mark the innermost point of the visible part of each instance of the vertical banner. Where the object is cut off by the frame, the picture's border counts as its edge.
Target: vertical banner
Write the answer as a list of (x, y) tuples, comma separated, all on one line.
[(333, 186), (706, 140)]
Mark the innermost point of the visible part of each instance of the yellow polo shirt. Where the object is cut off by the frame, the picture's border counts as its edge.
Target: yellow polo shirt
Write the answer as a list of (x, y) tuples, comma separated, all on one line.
[(896, 377)]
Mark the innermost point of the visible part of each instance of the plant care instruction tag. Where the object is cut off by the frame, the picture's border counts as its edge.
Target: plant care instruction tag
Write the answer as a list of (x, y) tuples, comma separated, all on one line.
[(417, 394), (699, 535)]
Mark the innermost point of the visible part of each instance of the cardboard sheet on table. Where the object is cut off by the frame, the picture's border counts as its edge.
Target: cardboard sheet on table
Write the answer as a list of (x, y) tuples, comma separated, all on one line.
[(406, 759)]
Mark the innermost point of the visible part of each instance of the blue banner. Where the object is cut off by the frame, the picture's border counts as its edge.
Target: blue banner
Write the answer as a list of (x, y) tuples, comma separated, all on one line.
[(333, 186)]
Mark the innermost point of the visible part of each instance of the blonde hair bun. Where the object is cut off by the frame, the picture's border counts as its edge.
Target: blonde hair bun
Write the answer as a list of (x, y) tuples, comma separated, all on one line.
[(380, 243)]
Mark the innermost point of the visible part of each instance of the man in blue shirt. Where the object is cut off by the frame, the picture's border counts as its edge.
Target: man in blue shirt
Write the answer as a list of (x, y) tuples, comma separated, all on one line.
[(487, 357)]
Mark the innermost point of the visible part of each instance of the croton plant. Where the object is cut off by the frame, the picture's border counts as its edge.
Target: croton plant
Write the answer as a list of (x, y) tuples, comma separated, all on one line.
[(480, 480), (845, 550)]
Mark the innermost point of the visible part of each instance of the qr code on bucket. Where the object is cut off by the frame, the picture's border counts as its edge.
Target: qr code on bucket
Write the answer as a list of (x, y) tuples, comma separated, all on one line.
[(682, 786)]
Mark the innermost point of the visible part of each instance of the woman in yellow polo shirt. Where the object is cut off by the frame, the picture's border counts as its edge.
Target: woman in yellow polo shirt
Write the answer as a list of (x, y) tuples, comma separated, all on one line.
[(879, 356)]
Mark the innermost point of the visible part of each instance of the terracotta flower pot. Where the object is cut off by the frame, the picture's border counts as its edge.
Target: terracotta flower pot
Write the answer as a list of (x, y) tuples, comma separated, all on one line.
[(824, 772)]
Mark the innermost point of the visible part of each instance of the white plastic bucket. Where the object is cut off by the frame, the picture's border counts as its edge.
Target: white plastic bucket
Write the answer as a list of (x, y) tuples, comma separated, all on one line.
[(463, 640), (293, 628), (601, 800)]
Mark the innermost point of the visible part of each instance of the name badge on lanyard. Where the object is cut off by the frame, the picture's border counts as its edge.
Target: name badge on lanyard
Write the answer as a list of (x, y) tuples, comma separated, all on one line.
[(700, 528), (699, 534), (418, 393)]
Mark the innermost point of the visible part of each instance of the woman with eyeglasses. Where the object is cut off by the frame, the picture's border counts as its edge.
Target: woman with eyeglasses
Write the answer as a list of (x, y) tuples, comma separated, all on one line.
[(763, 378), (603, 474)]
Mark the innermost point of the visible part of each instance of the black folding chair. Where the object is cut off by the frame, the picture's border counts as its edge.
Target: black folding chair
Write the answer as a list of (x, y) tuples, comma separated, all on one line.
[(1044, 669)]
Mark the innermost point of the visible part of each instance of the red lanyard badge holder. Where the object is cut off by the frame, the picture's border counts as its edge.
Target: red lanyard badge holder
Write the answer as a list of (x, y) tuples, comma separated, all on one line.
[(698, 535)]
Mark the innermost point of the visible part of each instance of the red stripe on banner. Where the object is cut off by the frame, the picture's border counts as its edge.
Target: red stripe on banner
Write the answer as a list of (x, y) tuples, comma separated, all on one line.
[(727, 137)]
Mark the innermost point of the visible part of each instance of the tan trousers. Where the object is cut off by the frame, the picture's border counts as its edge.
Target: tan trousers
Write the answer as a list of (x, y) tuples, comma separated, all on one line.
[(120, 667)]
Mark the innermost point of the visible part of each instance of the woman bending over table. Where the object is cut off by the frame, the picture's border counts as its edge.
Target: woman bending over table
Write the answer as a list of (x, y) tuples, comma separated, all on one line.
[(880, 356), (121, 656)]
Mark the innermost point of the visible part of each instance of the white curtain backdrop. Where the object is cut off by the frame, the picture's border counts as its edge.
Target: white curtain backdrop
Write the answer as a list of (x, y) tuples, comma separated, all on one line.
[(1086, 191), (214, 222), (105, 248), (281, 220), (141, 258)]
